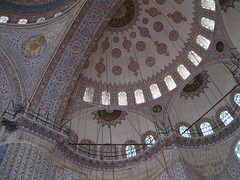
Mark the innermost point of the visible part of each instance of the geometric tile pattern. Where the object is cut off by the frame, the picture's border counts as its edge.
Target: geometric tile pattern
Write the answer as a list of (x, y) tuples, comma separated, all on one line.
[(67, 174), (164, 176), (175, 155), (22, 161), (224, 177), (5, 91), (180, 171), (234, 169), (8, 73)]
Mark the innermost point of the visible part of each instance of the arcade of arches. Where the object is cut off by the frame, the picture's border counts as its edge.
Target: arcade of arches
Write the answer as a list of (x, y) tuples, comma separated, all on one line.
[(119, 89)]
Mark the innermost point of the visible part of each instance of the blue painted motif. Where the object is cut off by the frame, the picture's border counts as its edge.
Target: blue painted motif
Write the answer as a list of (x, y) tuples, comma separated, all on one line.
[(104, 3), (54, 93), (69, 62), (3, 152), (85, 32)]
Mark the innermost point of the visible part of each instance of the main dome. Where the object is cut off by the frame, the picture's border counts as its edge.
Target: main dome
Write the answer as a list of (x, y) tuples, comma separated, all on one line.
[(141, 40)]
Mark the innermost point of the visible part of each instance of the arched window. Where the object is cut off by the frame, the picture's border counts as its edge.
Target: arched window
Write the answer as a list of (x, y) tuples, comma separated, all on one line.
[(42, 19), (206, 128), (149, 140), (122, 99), (170, 83), (194, 57), (208, 4), (105, 98), (57, 14), (208, 23), (4, 19), (226, 117), (155, 91), (130, 151), (186, 133), (88, 94), (203, 42), (237, 99), (22, 21), (139, 96), (237, 150), (182, 70)]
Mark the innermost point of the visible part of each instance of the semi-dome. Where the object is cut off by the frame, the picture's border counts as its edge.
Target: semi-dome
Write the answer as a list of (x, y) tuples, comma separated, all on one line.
[(30, 11)]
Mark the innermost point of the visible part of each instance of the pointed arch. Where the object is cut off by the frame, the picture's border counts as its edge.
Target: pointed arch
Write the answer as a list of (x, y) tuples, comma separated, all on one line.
[(105, 98), (122, 99)]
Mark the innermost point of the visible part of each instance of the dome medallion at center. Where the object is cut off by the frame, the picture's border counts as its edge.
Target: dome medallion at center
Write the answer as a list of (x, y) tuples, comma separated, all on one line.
[(109, 118), (125, 17)]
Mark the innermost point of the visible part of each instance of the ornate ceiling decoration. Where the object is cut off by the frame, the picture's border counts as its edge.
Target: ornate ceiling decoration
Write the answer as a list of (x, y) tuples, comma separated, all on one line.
[(142, 42), (107, 117), (225, 4), (196, 86), (31, 2), (33, 10), (70, 56), (153, 48), (125, 18), (34, 46)]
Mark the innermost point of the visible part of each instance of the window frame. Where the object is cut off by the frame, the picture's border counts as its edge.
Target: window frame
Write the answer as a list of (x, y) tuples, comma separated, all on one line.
[(203, 129), (132, 152)]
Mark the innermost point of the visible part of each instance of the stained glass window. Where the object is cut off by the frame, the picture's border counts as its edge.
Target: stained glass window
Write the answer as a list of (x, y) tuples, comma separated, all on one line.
[(122, 99), (149, 140), (206, 128), (139, 97), (208, 23), (88, 94), (208, 4), (203, 42), (4, 19), (155, 91), (42, 19), (170, 83), (183, 129), (182, 70), (130, 151), (237, 150), (194, 57), (105, 98), (237, 99), (226, 117), (22, 21), (57, 14)]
